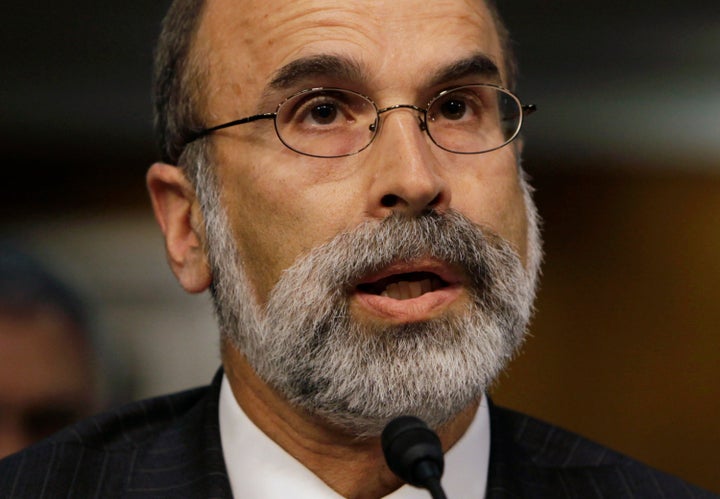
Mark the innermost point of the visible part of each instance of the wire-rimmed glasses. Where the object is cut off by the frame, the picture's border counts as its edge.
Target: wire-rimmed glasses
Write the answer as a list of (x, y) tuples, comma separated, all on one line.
[(336, 122)]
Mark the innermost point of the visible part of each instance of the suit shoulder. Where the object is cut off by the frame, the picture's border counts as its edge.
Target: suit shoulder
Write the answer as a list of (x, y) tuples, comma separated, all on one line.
[(550, 445), (130, 425), (580, 466)]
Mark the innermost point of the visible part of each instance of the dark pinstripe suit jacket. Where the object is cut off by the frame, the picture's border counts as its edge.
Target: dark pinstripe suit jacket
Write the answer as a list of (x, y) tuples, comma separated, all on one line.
[(170, 447)]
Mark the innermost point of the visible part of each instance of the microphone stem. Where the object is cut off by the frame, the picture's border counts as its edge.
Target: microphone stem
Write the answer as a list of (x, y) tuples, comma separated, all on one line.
[(436, 490)]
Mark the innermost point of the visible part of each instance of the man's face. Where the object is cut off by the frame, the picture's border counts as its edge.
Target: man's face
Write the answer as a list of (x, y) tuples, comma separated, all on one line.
[(385, 283), (45, 377), (281, 204)]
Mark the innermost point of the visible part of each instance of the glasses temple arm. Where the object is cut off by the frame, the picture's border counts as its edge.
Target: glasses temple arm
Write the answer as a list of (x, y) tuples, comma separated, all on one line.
[(194, 135)]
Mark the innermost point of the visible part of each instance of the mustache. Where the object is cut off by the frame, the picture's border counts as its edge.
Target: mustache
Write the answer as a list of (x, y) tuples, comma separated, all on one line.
[(450, 237)]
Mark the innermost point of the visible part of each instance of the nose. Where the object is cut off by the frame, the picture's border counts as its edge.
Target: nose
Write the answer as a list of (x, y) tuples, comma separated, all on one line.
[(407, 177)]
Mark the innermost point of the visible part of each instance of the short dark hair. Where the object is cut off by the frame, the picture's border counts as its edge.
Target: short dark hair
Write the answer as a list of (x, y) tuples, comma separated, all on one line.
[(179, 78), (27, 285)]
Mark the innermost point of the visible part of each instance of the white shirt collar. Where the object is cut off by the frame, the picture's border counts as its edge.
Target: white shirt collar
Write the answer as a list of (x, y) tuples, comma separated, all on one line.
[(259, 468)]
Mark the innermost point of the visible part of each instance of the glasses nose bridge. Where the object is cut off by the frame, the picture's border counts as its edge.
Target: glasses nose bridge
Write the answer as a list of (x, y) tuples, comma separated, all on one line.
[(420, 110)]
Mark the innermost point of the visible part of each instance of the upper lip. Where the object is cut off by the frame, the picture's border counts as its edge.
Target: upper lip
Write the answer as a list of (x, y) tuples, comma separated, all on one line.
[(442, 270)]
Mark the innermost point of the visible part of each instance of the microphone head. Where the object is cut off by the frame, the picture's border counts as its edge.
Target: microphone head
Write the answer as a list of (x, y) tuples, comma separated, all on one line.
[(412, 450)]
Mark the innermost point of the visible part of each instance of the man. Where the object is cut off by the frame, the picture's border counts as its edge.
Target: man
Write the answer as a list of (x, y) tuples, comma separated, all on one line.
[(47, 360), (343, 177)]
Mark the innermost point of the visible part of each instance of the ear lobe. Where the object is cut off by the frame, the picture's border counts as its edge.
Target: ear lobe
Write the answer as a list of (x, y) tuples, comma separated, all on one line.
[(178, 213)]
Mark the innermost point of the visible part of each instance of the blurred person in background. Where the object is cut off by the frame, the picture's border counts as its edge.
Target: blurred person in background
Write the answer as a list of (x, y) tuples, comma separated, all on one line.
[(48, 362)]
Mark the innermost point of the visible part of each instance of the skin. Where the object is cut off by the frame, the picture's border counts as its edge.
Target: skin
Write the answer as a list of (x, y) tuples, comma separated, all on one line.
[(281, 204), (45, 377)]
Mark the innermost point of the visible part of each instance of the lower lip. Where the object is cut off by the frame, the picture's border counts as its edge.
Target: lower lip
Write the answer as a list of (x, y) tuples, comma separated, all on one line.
[(422, 308)]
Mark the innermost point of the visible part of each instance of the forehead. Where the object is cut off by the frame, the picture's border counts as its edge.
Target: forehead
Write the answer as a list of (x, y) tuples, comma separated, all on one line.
[(396, 43)]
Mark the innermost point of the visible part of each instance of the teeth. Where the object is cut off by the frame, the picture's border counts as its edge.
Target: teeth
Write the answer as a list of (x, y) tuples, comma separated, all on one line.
[(414, 289), (405, 290)]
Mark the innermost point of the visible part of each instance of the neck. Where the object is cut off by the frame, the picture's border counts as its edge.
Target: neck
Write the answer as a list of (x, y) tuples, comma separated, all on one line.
[(354, 468)]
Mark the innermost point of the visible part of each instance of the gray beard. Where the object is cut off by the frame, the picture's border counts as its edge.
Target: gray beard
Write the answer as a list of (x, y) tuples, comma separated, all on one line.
[(306, 345)]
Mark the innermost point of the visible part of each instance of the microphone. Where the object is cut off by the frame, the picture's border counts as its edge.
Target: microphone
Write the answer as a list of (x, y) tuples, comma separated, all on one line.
[(413, 452)]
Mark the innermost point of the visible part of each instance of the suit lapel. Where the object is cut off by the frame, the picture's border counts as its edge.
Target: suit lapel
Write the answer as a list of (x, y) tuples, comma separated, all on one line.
[(513, 473), (506, 470)]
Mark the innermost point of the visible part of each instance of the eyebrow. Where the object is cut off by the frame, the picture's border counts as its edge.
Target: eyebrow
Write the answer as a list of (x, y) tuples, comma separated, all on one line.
[(323, 65), (345, 69), (477, 65)]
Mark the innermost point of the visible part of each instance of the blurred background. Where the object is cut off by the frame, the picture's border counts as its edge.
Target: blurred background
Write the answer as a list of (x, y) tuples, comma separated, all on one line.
[(624, 152)]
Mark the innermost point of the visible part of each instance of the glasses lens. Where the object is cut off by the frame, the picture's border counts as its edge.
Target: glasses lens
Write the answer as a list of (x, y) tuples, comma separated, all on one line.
[(326, 122), (474, 119)]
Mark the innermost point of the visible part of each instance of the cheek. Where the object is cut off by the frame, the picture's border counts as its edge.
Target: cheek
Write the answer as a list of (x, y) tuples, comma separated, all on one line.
[(278, 216), (517, 225), (266, 234), (492, 195)]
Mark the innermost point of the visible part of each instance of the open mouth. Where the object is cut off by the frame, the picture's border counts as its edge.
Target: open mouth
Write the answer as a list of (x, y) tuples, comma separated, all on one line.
[(405, 292), (404, 286)]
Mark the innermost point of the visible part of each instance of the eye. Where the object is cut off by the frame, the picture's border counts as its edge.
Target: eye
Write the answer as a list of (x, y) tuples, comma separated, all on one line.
[(320, 110), (453, 109), (324, 114), (326, 122), (463, 105)]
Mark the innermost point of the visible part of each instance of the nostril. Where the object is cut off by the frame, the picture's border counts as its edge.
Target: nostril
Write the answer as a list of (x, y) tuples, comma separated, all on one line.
[(389, 200)]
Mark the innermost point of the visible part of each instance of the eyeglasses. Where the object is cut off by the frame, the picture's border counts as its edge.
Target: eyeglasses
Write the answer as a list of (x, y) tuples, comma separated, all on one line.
[(335, 122)]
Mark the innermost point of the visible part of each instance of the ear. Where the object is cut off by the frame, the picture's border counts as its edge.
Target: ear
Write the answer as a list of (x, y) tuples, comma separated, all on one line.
[(178, 213)]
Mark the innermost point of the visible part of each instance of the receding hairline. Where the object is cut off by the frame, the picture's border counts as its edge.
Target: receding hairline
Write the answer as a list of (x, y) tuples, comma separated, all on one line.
[(506, 62)]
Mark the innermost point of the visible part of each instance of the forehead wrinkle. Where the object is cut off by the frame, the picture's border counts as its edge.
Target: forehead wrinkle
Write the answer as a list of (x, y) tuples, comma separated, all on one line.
[(320, 23), (262, 38), (256, 34)]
